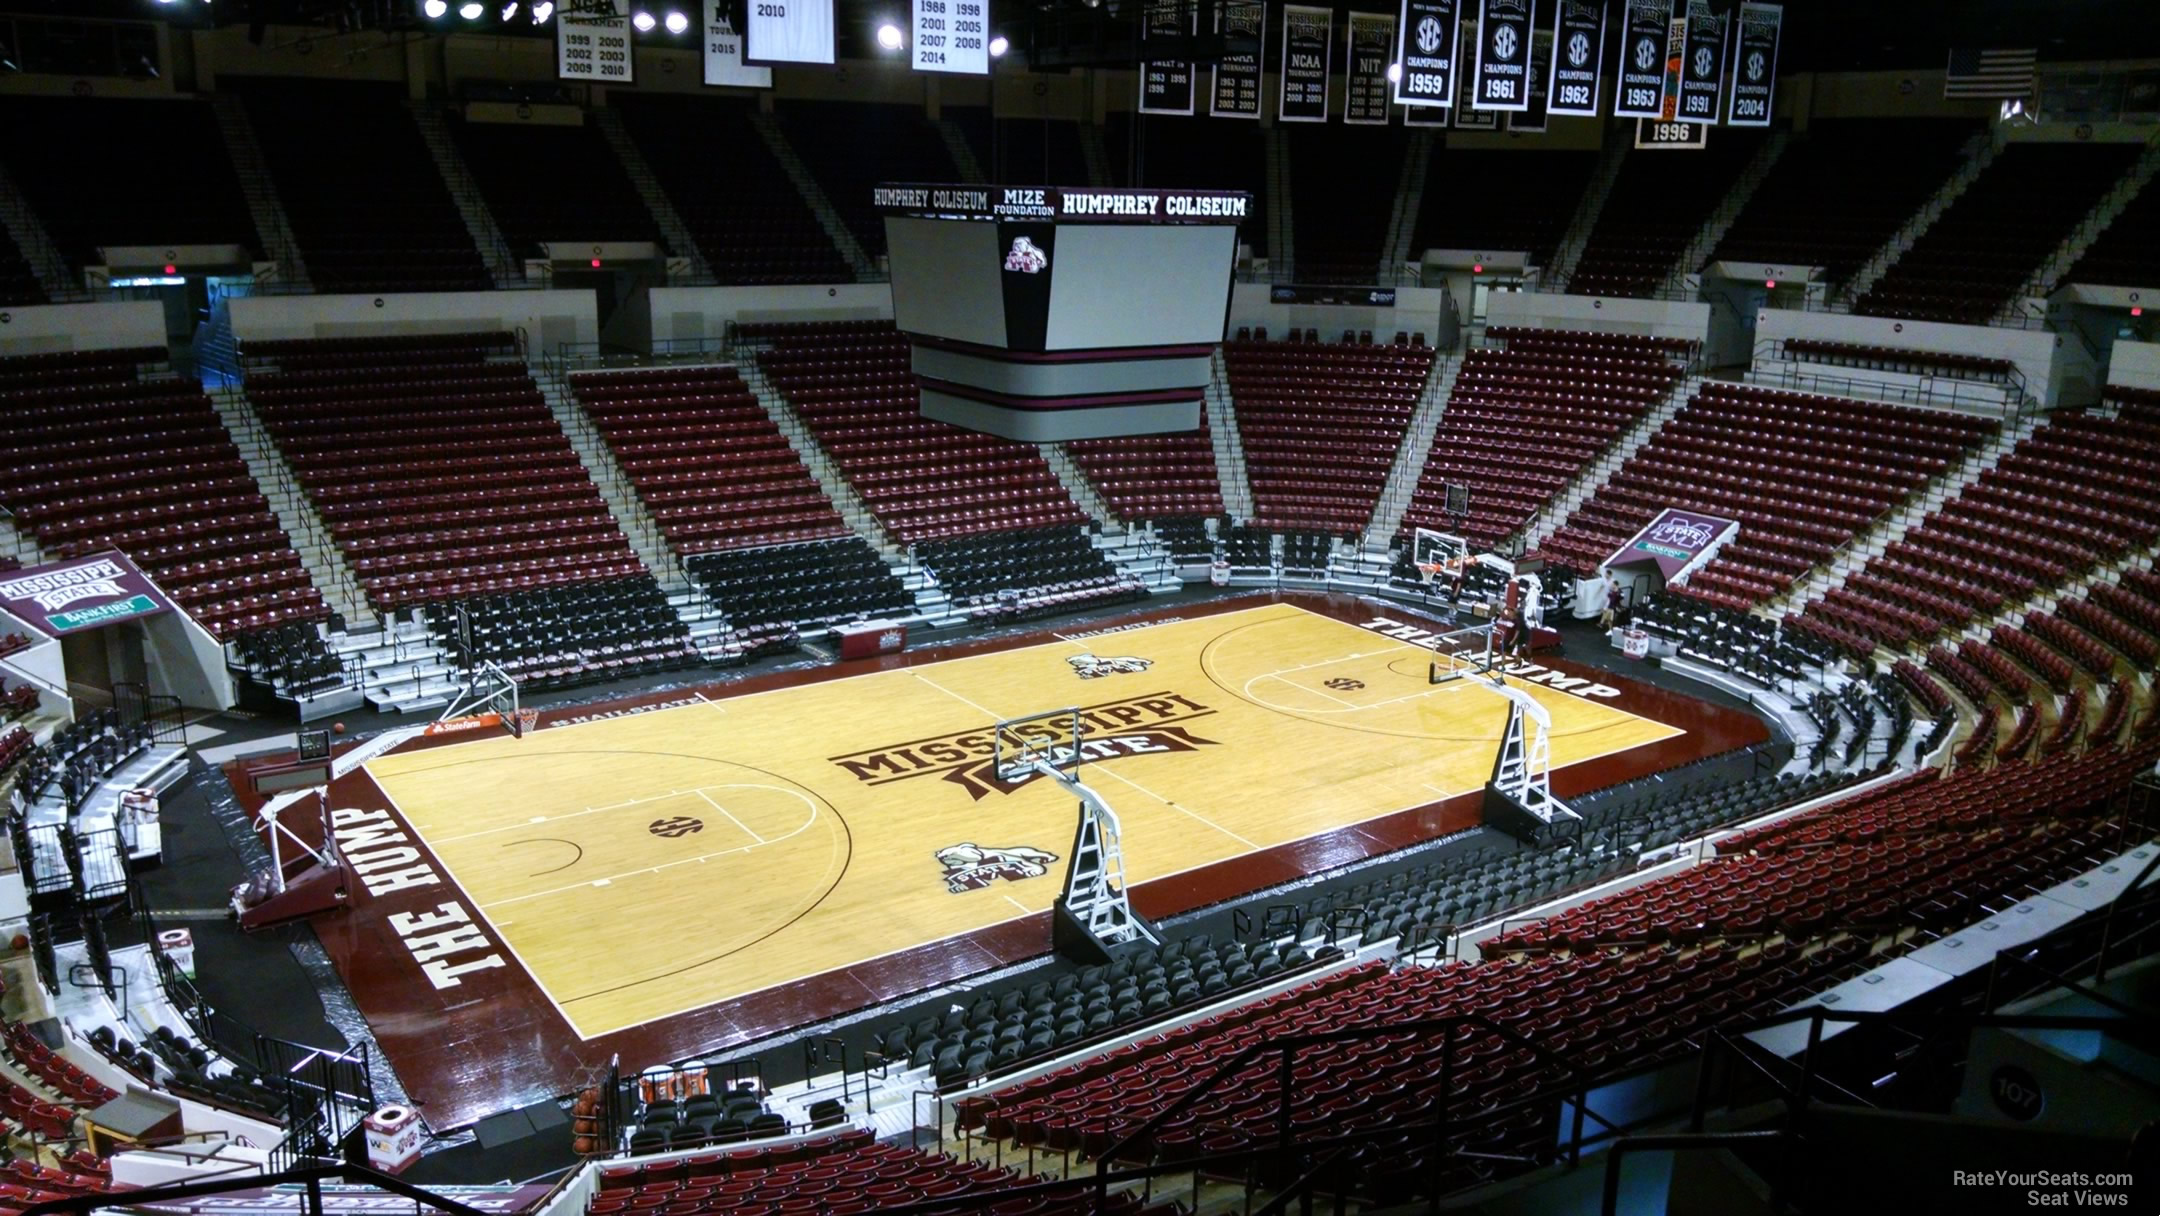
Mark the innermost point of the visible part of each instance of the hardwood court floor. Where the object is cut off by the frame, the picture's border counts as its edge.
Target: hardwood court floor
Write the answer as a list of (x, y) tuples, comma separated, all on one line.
[(642, 866)]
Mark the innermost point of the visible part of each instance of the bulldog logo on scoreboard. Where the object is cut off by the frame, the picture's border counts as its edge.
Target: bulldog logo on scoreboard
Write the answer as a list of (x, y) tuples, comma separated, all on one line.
[(1090, 667), (1026, 257), (971, 867)]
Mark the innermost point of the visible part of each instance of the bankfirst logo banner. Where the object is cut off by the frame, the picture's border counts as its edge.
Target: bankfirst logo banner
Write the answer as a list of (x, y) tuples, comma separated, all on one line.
[(62, 597)]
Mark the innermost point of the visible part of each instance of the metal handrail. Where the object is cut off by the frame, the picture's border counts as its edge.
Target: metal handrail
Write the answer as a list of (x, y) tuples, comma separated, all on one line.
[(311, 1176)]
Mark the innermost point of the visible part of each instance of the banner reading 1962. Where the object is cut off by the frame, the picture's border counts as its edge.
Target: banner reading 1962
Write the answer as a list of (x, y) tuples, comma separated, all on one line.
[(1578, 54), (1166, 85), (1641, 85), (1754, 84), (1503, 59), (1702, 72), (1308, 40), (1237, 77), (1372, 44), (1426, 48)]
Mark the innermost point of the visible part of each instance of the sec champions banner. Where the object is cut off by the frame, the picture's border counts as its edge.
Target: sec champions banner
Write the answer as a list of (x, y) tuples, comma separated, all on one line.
[(1702, 71), (1426, 38), (1754, 85), (1640, 89), (1578, 54), (1503, 58)]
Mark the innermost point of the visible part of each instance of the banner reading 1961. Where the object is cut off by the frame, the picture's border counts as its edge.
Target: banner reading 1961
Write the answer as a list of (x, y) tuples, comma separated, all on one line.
[(1426, 51), (1578, 54), (1308, 40), (1166, 85), (1237, 77), (1702, 73), (1641, 85), (1372, 44), (1503, 58), (1754, 84)]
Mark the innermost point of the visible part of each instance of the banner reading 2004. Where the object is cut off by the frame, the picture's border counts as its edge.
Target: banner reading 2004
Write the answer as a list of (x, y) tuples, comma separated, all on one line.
[(1426, 50), (1754, 84)]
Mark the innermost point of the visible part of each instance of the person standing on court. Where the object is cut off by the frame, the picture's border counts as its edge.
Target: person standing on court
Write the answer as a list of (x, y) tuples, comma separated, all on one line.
[(1608, 600)]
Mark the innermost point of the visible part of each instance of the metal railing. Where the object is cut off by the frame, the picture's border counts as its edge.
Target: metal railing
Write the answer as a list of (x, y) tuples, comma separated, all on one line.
[(309, 1177)]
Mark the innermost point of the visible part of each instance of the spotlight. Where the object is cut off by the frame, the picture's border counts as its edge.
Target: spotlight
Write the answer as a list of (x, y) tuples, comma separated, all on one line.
[(643, 21), (542, 11), (509, 10), (1394, 73), (677, 23), (888, 36), (470, 10), (998, 45), (434, 9)]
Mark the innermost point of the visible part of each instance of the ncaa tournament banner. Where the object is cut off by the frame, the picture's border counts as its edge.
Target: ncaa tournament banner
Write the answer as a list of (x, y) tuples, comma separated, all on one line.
[(788, 31), (724, 64), (1640, 90), (1503, 59), (1531, 118), (1578, 55), (592, 42), (1467, 116), (1372, 42), (1237, 77), (1308, 41), (1427, 44), (1754, 84), (949, 37), (1166, 85), (1702, 74)]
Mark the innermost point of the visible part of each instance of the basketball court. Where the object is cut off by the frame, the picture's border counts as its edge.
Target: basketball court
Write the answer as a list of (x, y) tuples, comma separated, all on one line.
[(643, 866)]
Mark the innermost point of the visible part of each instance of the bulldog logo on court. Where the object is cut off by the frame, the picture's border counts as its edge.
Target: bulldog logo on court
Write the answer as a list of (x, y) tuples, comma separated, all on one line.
[(1090, 667), (971, 867)]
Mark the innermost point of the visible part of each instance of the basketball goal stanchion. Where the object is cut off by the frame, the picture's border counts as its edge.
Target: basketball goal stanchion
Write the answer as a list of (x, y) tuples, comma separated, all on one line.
[(1093, 915), (303, 878), (489, 690), (1440, 558), (1518, 798)]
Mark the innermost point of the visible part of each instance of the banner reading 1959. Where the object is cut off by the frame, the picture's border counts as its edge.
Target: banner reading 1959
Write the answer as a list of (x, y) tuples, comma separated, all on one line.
[(1237, 77), (1372, 46), (1308, 41), (1577, 56), (1702, 70), (1754, 84), (1503, 58), (1641, 85), (1426, 50), (1166, 85)]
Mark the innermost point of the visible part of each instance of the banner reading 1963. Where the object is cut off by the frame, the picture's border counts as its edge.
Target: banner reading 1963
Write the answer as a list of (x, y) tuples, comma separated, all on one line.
[(1578, 54), (1426, 37), (1166, 85), (1372, 43), (1237, 77), (1503, 59), (1754, 84), (1641, 86), (1308, 40), (1702, 72)]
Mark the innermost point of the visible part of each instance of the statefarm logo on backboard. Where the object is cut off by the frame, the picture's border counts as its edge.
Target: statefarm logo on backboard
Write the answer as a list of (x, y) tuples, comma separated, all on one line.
[(1149, 724)]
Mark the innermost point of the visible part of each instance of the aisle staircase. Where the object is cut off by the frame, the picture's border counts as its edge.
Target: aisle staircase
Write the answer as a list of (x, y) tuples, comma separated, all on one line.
[(272, 227), (963, 155), (1569, 251), (2046, 277), (37, 247), (1409, 197), (1697, 254), (1979, 154), (1229, 447), (663, 211), (813, 196), (1578, 491), (504, 264), (1411, 457)]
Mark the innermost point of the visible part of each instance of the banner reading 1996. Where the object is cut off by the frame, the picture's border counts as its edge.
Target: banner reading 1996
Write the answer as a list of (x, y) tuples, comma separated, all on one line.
[(1754, 84), (1372, 47), (1166, 85), (1503, 58), (1308, 41), (1237, 77), (1641, 86), (1702, 72), (1426, 51), (1577, 56)]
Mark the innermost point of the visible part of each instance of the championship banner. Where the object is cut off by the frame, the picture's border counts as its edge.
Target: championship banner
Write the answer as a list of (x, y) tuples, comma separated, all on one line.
[(1702, 75), (592, 41), (1237, 77), (1166, 85), (1754, 85), (789, 31), (1308, 41), (724, 66), (1372, 43), (949, 37), (1640, 89), (1426, 38), (61, 597), (1531, 119), (1578, 56), (1467, 116), (1503, 59)]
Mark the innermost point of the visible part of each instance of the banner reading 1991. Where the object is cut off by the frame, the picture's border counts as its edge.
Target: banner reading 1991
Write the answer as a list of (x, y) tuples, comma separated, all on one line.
[(1577, 56), (1641, 91), (1308, 42), (1702, 72), (1166, 85), (1754, 84), (1237, 77), (1503, 59), (1426, 51)]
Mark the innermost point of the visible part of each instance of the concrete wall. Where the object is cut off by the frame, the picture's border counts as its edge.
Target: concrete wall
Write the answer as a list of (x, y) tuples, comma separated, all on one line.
[(2038, 354), (686, 313), (34, 329), (547, 318), (2135, 365), (1655, 318)]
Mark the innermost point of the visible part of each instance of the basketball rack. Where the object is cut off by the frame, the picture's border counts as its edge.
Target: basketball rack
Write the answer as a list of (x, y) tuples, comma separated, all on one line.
[(490, 689), (1093, 914), (1438, 555), (1518, 798)]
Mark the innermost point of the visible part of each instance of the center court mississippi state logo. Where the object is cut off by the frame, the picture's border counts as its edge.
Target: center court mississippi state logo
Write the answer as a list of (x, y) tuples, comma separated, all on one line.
[(1157, 723), (1026, 257), (1091, 667), (971, 867)]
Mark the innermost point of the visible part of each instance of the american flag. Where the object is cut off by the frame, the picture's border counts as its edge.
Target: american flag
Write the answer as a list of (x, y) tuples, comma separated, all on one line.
[(1995, 73)]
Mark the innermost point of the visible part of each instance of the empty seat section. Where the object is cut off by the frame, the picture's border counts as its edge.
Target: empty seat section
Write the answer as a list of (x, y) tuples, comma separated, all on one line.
[(1499, 200), (923, 479), (1015, 573), (607, 628), (96, 457), (1180, 154), (2127, 252), (551, 182), (369, 207), (1343, 180), (851, 147), (706, 460), (1526, 414), (1150, 477), (436, 466), (797, 585), (741, 208), (1657, 205), (1321, 425)]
